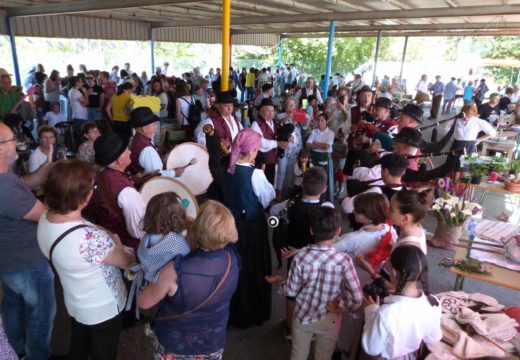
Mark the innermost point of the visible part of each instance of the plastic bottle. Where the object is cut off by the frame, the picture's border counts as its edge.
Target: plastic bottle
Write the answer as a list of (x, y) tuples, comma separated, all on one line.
[(472, 226)]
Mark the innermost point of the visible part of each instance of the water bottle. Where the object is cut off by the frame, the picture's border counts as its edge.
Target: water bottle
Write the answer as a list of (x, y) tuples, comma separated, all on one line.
[(472, 226)]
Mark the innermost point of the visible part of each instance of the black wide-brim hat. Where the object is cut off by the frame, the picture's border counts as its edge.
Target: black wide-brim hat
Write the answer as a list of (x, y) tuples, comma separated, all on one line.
[(266, 102), (409, 136), (383, 102), (414, 111), (108, 148), (225, 97), (142, 116)]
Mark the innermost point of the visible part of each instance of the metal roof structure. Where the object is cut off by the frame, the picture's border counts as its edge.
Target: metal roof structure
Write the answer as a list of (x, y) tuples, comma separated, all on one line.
[(259, 22)]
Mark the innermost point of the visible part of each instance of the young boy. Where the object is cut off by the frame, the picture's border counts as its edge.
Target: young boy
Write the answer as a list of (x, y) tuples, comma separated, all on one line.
[(312, 107), (319, 277)]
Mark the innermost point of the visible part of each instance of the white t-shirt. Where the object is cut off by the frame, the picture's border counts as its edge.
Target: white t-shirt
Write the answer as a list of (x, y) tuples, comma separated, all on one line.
[(52, 119), (468, 130), (94, 292), (78, 111), (327, 137), (36, 159), (362, 241), (419, 241), (397, 327)]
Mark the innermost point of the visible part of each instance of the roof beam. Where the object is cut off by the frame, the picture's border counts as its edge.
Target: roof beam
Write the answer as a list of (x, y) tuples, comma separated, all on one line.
[(407, 27), (357, 15), (512, 32), (87, 6)]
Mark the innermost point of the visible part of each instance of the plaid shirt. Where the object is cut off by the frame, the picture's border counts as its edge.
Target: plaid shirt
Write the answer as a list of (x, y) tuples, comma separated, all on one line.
[(319, 274)]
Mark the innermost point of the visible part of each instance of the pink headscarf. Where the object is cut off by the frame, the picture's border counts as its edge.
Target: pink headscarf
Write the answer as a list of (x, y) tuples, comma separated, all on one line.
[(246, 140)]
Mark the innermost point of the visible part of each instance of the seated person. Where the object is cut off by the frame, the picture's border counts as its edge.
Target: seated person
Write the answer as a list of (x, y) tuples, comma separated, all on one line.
[(90, 133), (47, 138)]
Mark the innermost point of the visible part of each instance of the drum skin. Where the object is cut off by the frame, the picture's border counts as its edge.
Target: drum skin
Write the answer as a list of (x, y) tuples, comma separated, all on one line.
[(196, 177), (162, 184)]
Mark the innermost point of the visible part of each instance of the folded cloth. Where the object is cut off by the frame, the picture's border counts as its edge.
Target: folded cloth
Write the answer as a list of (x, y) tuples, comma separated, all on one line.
[(495, 326), (453, 301)]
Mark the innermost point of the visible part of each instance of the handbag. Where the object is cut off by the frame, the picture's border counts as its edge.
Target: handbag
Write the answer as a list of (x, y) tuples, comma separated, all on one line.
[(219, 285)]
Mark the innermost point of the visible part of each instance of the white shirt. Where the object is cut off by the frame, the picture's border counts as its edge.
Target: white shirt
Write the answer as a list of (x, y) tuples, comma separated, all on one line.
[(468, 130), (184, 102), (52, 119), (326, 137), (230, 123), (419, 241), (78, 111), (36, 159), (398, 327), (163, 113), (422, 87), (361, 242), (366, 174), (261, 187), (266, 144), (93, 291), (150, 161), (133, 207), (309, 92), (348, 203)]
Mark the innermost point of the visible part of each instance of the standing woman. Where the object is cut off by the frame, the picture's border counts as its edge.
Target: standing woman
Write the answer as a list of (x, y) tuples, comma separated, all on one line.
[(156, 89), (182, 107), (339, 112), (194, 292), (246, 193), (118, 110), (87, 260), (285, 177), (52, 89)]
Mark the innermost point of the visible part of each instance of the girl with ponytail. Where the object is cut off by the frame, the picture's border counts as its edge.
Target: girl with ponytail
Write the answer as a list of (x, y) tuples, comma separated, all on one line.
[(397, 328)]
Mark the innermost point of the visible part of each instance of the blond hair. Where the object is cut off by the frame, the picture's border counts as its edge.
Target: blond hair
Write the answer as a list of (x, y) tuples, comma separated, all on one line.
[(469, 109), (214, 227)]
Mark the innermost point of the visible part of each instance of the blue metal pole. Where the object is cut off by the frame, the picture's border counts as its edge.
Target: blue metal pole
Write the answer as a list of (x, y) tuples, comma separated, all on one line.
[(10, 29), (280, 52), (152, 52), (329, 58), (378, 44)]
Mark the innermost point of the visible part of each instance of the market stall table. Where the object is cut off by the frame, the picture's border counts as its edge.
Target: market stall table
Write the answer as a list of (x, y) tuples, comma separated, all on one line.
[(505, 146)]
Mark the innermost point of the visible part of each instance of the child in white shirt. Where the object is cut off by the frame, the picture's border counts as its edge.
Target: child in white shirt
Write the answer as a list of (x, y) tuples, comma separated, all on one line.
[(397, 328), (54, 116)]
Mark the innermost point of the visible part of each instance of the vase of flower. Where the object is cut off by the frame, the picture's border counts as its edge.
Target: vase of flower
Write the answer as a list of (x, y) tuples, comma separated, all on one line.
[(446, 236)]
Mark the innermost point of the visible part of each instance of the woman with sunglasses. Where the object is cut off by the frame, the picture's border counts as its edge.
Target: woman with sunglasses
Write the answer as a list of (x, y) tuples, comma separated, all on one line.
[(94, 97)]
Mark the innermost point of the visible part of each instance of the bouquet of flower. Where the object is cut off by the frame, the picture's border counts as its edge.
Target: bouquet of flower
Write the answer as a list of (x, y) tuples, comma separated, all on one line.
[(454, 211)]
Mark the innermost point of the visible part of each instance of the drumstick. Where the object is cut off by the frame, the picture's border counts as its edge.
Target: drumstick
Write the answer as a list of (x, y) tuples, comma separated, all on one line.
[(192, 162)]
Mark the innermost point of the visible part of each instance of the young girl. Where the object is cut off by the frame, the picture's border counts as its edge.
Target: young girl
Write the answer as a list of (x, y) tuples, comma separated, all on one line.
[(164, 222), (54, 116), (397, 328), (375, 238), (300, 168), (339, 155), (320, 144)]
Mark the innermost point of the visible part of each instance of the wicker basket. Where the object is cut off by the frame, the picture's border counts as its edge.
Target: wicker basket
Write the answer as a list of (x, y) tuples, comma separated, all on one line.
[(512, 186)]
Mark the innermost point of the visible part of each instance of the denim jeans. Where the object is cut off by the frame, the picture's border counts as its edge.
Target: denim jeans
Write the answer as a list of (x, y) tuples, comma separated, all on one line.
[(28, 309), (94, 114)]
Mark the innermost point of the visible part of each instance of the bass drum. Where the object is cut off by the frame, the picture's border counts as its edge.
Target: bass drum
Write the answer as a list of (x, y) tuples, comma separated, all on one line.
[(162, 184), (196, 177)]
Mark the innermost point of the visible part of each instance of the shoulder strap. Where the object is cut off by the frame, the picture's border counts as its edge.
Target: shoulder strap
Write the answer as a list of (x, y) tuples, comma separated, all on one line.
[(219, 285), (61, 237)]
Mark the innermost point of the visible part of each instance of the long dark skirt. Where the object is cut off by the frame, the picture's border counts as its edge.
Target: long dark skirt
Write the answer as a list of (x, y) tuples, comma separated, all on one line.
[(251, 303)]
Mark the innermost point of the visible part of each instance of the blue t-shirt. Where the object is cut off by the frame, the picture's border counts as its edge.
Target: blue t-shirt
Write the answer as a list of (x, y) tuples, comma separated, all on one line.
[(19, 248), (468, 93)]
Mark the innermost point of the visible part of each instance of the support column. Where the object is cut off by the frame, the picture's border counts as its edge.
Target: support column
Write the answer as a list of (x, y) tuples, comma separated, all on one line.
[(280, 52), (10, 29), (226, 20), (152, 52), (230, 50), (329, 58), (378, 44), (404, 57)]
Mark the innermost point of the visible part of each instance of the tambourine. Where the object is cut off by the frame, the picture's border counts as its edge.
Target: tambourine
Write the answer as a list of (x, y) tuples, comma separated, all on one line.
[(162, 184), (194, 158)]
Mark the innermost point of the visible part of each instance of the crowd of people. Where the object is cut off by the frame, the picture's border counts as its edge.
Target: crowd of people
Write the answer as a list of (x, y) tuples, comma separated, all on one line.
[(77, 213)]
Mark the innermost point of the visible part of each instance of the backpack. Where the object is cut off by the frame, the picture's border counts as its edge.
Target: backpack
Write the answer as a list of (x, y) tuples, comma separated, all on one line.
[(194, 111)]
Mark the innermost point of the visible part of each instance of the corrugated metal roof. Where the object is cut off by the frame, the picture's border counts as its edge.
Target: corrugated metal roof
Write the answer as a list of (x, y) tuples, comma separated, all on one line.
[(211, 36)]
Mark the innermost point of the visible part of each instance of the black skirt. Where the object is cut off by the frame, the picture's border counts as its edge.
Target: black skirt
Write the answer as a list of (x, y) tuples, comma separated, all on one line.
[(251, 303)]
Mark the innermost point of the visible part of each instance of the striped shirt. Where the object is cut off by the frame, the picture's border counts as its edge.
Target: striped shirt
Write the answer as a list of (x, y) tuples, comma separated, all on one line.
[(319, 275)]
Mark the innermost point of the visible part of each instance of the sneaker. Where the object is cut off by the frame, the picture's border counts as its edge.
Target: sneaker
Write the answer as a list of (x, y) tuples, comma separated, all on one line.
[(287, 333)]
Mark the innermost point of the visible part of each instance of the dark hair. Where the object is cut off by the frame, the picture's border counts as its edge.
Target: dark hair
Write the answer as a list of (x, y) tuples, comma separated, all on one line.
[(509, 90), (156, 80), (12, 120), (123, 73), (54, 75), (325, 222), (105, 74), (47, 128), (123, 87), (374, 206), (411, 264), (414, 203), (75, 80), (87, 127), (394, 163), (324, 115), (68, 184), (181, 88), (164, 214), (314, 181)]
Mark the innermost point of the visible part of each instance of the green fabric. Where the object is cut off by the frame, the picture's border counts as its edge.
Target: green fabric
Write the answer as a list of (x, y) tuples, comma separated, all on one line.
[(7, 102), (386, 141)]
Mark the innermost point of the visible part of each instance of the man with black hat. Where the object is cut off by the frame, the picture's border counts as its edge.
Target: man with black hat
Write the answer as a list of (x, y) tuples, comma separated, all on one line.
[(116, 204), (384, 121), (364, 100), (265, 126), (144, 154), (223, 122), (310, 88)]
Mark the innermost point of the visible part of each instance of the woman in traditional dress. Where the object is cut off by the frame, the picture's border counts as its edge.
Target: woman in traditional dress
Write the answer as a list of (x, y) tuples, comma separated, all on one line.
[(246, 193)]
